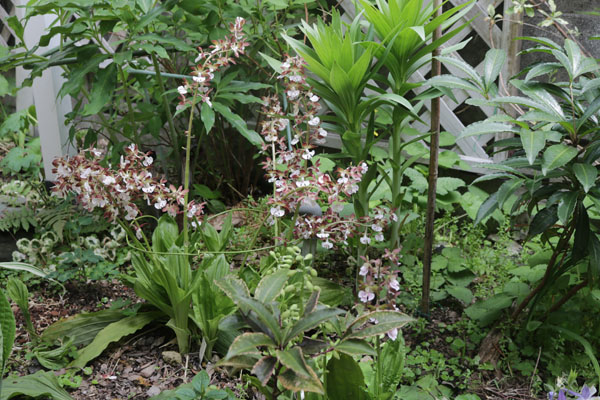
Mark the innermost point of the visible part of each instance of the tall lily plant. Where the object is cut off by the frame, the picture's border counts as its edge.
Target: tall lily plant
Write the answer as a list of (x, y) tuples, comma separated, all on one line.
[(347, 62)]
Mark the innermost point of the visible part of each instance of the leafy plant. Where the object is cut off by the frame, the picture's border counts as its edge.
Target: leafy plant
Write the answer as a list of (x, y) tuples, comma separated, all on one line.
[(557, 128), (198, 389), (18, 292)]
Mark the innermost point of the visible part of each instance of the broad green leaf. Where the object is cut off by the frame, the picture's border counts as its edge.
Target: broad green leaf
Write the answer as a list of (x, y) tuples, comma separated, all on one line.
[(19, 266), (386, 321), (247, 343), (263, 314), (312, 320), (452, 82), (566, 206), (556, 156), (345, 379), (487, 311), (492, 65), (208, 117), (533, 142), (42, 383), (7, 330), (82, 328), (595, 255), (113, 333), (542, 69), (586, 175), (355, 347), (238, 123), (273, 63), (461, 293), (542, 221), (463, 66), (271, 285), (165, 234), (264, 368), (102, 90), (487, 208), (448, 184), (298, 376), (507, 189), (485, 127)]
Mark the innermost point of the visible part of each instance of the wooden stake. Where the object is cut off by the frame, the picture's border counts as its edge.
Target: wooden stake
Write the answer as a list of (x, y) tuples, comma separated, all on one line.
[(436, 69)]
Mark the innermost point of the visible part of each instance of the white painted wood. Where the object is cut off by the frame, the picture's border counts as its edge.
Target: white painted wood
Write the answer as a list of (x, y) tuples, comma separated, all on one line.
[(50, 109)]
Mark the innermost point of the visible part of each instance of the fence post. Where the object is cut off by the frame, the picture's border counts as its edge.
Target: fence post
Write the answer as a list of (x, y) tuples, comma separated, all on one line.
[(50, 109)]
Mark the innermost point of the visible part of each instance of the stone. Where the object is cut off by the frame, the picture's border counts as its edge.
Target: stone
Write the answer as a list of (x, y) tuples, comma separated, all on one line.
[(172, 357)]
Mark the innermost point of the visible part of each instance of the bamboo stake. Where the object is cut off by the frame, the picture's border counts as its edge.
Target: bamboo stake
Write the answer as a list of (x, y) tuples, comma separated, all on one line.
[(436, 69)]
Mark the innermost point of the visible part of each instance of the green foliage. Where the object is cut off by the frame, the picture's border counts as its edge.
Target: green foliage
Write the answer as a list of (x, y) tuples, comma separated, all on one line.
[(18, 292), (42, 383), (24, 158), (198, 389), (7, 333)]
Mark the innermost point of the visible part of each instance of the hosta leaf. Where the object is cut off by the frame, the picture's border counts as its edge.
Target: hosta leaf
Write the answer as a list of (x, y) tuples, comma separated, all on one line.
[(542, 221), (386, 321), (586, 175), (566, 206), (271, 285), (533, 142), (556, 156), (264, 368), (247, 343)]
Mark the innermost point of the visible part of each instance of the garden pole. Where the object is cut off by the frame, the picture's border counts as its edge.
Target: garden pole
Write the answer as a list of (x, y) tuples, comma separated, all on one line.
[(436, 69)]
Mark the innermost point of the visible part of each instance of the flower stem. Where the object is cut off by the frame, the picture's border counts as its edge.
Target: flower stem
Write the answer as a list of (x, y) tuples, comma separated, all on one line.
[(186, 181)]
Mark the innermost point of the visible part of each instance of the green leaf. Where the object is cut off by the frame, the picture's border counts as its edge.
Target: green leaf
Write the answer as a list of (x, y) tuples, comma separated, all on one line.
[(19, 266), (165, 234), (447, 184), (345, 379), (112, 333), (586, 175), (312, 320), (452, 82), (355, 347), (271, 285), (264, 368), (247, 343), (556, 156), (102, 90), (543, 221), (208, 117), (461, 293), (485, 127), (487, 311), (487, 208), (533, 142), (298, 376), (566, 206), (42, 383), (595, 255), (492, 65), (387, 320), (239, 124), (7, 330)]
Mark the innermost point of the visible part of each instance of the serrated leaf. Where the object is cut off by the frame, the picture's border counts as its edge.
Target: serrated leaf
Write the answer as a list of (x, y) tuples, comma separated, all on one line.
[(247, 343), (556, 156), (112, 333), (533, 142), (586, 175), (271, 285), (448, 184)]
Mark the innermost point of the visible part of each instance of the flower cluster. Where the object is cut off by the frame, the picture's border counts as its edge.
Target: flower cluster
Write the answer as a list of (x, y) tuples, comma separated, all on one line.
[(221, 53), (296, 176), (117, 192), (587, 393), (380, 285)]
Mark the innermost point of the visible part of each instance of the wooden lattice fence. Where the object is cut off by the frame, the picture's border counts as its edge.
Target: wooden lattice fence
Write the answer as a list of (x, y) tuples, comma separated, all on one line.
[(455, 116)]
